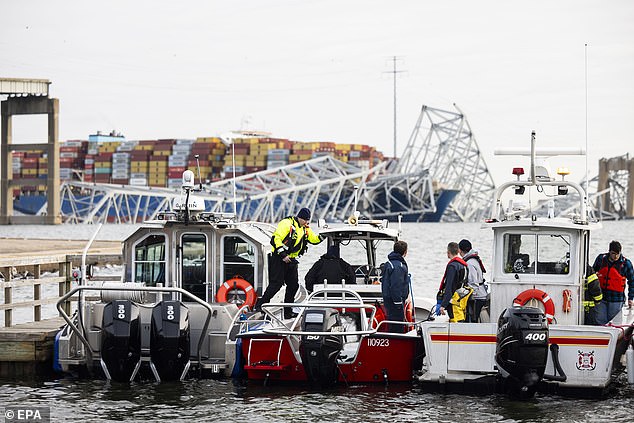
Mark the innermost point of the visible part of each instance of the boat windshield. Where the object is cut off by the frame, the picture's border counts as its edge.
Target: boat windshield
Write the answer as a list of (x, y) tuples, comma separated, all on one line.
[(537, 253)]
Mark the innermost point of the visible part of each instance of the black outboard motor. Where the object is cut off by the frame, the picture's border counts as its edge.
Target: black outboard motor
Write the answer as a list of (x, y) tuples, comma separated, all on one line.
[(319, 353), (169, 343), (522, 349), (120, 340)]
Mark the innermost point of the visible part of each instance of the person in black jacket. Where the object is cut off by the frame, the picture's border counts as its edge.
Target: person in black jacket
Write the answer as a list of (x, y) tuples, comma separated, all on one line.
[(450, 300), (395, 285), (330, 267)]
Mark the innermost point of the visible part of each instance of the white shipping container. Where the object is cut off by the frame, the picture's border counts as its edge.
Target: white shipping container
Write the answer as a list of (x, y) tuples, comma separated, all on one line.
[(71, 144), (139, 182), (89, 161), (182, 147), (272, 164), (279, 151), (185, 142), (93, 151), (136, 175), (120, 156), (68, 155)]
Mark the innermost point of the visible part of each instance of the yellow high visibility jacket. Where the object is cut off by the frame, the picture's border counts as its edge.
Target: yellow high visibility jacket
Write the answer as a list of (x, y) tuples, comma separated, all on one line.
[(290, 239)]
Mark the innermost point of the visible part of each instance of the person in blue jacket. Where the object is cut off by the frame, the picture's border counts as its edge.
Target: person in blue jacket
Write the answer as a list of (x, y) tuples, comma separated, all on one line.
[(395, 286)]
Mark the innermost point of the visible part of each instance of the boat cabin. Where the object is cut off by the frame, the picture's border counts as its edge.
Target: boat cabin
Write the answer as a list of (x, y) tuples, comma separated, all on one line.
[(198, 256)]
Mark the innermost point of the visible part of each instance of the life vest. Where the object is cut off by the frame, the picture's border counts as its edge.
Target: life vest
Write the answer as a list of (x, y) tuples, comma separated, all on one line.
[(464, 272), (295, 241), (610, 276)]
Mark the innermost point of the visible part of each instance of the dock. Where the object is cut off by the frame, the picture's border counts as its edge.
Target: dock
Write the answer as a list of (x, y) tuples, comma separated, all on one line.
[(26, 349)]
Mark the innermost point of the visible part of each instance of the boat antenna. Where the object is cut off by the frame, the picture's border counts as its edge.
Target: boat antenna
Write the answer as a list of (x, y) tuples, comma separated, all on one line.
[(586, 89), (200, 179), (233, 162)]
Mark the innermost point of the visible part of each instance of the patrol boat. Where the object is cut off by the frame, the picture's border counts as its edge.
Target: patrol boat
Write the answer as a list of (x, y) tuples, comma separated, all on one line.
[(535, 336), (183, 307), (340, 335), (186, 277)]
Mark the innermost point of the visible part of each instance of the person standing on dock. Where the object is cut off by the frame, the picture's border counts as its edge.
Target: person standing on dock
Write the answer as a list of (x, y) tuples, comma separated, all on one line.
[(290, 241), (395, 282), (476, 280), (454, 291), (613, 271)]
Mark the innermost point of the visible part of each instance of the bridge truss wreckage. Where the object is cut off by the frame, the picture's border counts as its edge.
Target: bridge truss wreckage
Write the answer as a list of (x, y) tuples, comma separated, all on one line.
[(441, 175)]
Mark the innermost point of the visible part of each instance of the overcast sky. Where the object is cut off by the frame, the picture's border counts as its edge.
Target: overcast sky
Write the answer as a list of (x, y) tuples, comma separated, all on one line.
[(315, 70)]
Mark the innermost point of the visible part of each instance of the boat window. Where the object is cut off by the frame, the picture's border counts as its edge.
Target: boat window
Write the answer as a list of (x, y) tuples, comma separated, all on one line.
[(532, 253), (194, 270), (149, 260), (239, 259), (554, 254), (519, 253)]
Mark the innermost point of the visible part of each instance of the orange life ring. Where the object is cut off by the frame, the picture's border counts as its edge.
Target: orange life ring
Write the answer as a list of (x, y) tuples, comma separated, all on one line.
[(237, 283), (537, 294)]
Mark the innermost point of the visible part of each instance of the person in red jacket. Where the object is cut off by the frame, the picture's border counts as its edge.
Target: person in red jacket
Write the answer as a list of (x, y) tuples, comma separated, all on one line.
[(613, 271)]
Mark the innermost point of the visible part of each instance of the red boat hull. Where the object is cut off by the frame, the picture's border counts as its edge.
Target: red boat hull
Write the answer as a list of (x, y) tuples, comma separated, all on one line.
[(381, 357)]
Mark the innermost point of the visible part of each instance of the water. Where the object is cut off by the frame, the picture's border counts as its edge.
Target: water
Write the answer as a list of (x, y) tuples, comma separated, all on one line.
[(223, 400)]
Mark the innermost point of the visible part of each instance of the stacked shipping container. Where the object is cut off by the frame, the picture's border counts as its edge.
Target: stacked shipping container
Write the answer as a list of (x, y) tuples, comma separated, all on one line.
[(160, 163)]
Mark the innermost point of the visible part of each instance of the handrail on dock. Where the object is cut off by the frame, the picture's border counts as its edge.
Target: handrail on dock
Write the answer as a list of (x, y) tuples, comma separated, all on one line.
[(11, 268)]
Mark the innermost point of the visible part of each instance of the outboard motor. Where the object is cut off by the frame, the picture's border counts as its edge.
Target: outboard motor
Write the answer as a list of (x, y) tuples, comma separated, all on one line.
[(522, 349), (120, 340), (169, 343), (319, 353)]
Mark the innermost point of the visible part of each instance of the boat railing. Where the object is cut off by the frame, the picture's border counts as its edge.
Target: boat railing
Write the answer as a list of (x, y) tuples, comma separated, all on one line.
[(80, 289), (497, 204), (285, 329)]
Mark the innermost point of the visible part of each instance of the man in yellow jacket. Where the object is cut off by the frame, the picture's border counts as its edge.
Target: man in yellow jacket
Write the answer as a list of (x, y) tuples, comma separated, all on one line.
[(290, 240)]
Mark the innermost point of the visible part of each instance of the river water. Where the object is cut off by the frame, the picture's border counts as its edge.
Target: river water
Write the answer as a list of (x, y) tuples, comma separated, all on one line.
[(224, 400)]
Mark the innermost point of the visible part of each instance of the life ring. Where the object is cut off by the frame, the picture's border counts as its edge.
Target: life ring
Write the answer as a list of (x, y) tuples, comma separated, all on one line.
[(237, 283), (537, 294), (409, 311), (379, 316)]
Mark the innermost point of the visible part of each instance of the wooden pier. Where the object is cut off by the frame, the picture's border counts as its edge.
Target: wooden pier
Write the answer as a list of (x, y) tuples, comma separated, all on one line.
[(26, 349)]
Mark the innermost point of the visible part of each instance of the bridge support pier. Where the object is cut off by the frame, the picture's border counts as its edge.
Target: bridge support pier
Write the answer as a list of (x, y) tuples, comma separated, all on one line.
[(29, 105), (617, 164)]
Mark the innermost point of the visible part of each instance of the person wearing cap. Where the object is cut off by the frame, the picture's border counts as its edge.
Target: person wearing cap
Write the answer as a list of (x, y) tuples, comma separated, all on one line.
[(475, 280), (614, 272), (290, 241), (331, 268), (592, 296)]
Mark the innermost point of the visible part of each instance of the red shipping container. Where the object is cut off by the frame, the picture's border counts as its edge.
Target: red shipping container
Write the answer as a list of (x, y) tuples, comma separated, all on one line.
[(158, 158)]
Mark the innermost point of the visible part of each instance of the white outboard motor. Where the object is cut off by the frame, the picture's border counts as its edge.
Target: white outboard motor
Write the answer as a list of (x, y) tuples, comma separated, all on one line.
[(522, 349)]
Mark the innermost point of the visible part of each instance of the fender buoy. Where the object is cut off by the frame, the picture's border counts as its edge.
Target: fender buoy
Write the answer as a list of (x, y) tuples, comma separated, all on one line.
[(237, 283), (537, 294), (379, 316), (567, 301), (409, 311)]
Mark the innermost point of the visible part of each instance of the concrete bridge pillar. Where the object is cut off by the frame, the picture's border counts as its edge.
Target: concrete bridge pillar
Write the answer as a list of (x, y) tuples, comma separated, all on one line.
[(29, 105)]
